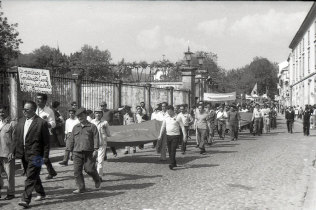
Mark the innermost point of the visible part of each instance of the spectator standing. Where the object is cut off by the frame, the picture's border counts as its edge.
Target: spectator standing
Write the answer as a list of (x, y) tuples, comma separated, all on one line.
[(7, 147), (46, 113), (84, 143), (256, 118), (162, 143), (221, 122)]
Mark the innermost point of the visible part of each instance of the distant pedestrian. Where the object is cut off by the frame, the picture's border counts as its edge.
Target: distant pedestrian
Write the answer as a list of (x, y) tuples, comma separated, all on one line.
[(32, 138), (84, 143), (186, 120), (221, 122), (162, 143), (171, 127), (46, 113), (289, 116), (233, 118), (306, 120), (256, 118), (74, 105), (7, 148), (129, 119)]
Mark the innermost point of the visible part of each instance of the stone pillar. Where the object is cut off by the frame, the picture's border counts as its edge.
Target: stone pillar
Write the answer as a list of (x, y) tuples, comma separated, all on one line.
[(147, 99), (170, 95), (14, 97), (188, 80), (117, 101), (76, 88)]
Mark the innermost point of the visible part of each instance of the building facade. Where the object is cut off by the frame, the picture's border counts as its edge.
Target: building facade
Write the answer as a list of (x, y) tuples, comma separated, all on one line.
[(284, 84), (302, 63)]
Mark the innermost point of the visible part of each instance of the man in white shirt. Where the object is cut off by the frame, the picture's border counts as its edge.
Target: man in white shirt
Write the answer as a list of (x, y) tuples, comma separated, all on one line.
[(69, 125), (221, 122), (162, 144), (171, 127), (48, 115)]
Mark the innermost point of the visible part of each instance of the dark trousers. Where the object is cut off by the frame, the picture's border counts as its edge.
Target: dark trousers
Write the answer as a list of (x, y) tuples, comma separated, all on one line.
[(172, 143), (306, 127), (50, 169), (84, 160), (289, 125), (33, 180), (66, 156), (257, 126), (234, 131)]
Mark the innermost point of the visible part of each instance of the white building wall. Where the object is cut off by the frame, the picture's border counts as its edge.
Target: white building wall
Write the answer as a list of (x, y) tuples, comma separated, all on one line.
[(302, 61)]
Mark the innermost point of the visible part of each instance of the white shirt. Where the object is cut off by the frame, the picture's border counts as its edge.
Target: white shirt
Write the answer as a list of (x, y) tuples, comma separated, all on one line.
[(1, 124), (47, 114), (155, 116), (70, 124), (27, 125), (162, 115), (103, 129), (186, 118), (256, 113), (172, 125)]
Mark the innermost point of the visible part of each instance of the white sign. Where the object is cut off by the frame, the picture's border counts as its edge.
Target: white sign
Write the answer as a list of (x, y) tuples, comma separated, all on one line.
[(220, 96), (35, 80)]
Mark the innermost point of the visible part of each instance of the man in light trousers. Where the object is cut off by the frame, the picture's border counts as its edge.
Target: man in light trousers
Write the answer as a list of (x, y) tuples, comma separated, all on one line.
[(104, 132)]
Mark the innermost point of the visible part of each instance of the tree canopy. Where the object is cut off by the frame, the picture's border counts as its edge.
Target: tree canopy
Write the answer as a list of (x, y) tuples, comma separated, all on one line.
[(9, 41)]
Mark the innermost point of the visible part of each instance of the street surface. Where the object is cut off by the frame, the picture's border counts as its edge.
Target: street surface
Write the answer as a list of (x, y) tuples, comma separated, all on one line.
[(271, 171)]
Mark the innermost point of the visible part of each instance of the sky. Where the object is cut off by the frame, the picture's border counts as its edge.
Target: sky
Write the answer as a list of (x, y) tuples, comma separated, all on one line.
[(146, 30)]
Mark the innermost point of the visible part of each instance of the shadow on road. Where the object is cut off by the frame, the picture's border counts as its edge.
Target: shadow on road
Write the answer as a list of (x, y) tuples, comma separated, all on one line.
[(153, 159), (129, 177), (182, 167)]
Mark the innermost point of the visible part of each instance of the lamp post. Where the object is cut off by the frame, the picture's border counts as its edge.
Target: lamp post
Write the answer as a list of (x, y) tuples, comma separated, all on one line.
[(189, 73)]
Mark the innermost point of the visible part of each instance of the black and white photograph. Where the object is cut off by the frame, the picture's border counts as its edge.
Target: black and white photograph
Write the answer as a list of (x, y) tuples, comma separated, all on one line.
[(157, 105)]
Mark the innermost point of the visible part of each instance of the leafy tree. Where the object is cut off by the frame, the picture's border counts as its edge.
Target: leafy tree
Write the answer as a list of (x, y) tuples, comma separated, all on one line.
[(93, 63), (9, 41)]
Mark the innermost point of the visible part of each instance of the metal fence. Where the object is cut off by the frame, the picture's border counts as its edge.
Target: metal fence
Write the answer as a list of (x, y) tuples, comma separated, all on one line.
[(92, 93)]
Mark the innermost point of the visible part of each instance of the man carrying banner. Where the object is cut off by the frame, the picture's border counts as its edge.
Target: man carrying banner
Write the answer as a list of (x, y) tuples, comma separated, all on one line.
[(47, 114), (171, 127)]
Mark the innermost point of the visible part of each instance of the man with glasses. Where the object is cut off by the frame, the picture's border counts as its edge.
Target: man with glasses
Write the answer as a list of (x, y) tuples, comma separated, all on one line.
[(47, 114), (32, 146), (7, 147)]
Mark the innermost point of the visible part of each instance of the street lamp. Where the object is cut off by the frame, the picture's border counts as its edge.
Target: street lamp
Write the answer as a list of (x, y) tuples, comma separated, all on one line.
[(188, 56)]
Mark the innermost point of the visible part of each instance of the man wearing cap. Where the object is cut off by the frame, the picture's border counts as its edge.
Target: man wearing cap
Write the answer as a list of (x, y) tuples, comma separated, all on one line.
[(84, 143), (104, 132), (108, 115), (69, 125)]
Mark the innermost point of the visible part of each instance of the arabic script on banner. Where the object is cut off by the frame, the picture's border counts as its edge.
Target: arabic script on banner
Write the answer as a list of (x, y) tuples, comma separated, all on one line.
[(35, 80)]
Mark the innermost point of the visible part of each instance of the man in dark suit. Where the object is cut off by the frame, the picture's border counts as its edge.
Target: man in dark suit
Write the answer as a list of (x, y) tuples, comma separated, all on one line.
[(32, 148)]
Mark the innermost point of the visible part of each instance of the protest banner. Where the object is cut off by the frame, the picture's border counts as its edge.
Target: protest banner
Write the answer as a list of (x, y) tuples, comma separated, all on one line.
[(220, 96), (35, 80), (134, 134)]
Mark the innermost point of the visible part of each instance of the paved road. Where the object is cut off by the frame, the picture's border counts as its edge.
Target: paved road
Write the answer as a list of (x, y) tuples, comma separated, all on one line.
[(267, 172)]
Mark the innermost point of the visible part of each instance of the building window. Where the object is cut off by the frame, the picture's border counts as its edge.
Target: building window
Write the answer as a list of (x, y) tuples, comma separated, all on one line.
[(303, 45), (308, 37), (303, 65)]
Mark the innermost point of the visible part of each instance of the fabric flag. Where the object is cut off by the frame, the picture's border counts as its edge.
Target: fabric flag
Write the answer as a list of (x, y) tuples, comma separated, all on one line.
[(248, 97), (220, 96), (254, 92), (134, 134)]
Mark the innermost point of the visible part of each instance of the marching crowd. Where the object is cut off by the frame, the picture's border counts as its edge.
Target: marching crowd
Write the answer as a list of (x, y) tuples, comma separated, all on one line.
[(85, 135)]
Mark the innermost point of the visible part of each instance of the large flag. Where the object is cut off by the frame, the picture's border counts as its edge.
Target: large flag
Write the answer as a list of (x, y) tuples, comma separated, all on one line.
[(254, 92), (245, 118), (134, 134)]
